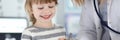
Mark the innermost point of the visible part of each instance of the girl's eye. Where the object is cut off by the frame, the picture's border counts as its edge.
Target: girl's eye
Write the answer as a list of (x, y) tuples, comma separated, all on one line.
[(50, 6), (41, 8)]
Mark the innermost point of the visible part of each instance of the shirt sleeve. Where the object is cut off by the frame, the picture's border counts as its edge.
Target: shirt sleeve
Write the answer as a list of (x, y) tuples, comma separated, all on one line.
[(26, 35)]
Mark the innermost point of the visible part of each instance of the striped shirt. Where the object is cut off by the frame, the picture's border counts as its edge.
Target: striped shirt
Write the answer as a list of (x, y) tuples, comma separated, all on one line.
[(36, 33)]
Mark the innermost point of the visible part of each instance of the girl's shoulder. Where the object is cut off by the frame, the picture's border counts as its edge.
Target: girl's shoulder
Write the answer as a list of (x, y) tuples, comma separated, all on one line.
[(27, 31), (29, 28), (59, 26)]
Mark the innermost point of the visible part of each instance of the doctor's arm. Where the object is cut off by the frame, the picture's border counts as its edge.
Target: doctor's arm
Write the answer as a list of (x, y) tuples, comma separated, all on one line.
[(87, 25)]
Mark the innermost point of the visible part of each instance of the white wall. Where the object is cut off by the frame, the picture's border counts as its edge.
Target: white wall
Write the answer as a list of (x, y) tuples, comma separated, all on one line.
[(12, 8)]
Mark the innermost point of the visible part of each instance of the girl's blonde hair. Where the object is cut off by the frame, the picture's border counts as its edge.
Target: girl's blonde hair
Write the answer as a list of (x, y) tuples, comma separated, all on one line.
[(81, 2), (28, 7)]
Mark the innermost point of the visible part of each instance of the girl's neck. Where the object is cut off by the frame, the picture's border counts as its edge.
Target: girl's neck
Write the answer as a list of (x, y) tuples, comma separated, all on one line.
[(43, 24)]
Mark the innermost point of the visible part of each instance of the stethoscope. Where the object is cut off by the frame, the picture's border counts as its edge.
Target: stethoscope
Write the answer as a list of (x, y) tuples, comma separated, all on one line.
[(101, 20)]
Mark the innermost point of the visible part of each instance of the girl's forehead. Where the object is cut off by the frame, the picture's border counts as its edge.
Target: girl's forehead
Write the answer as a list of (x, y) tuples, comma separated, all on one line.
[(40, 4), (43, 1)]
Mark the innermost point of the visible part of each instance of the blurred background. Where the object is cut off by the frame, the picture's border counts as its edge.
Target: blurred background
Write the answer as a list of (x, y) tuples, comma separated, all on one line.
[(14, 19)]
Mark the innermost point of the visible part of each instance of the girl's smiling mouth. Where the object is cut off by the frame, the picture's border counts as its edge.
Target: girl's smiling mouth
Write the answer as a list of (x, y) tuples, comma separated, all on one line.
[(45, 16)]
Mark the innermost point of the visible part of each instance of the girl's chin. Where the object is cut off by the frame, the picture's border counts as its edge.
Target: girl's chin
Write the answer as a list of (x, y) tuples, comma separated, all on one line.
[(42, 20)]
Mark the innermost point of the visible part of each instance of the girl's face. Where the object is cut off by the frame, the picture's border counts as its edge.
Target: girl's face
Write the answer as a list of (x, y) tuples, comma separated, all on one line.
[(43, 12)]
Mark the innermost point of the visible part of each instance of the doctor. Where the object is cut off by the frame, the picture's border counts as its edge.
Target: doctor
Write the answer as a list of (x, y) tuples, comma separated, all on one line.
[(90, 22)]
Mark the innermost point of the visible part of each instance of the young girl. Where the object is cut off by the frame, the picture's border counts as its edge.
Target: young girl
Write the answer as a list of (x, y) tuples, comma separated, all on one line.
[(41, 13)]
